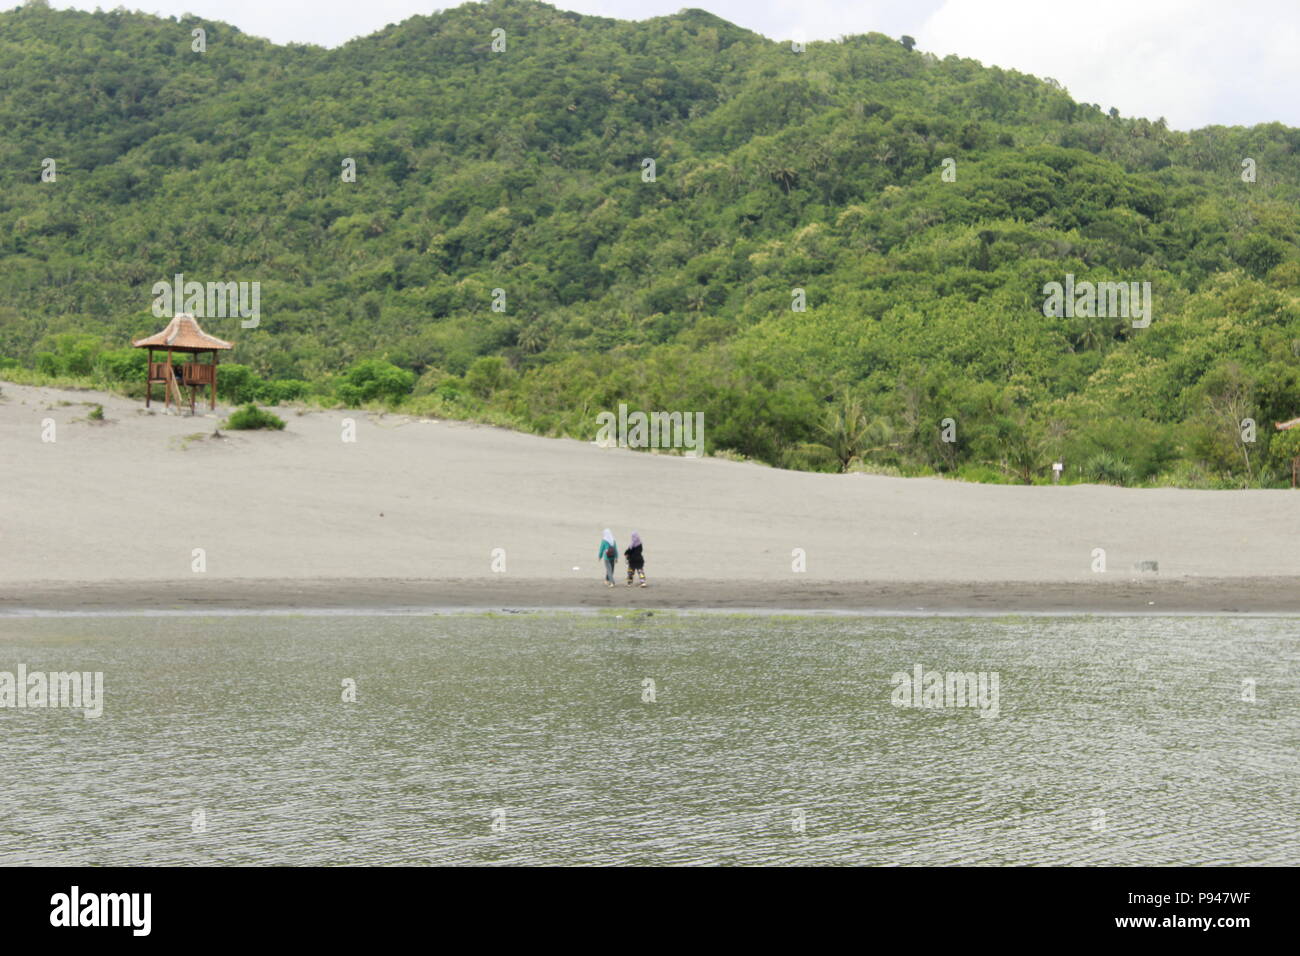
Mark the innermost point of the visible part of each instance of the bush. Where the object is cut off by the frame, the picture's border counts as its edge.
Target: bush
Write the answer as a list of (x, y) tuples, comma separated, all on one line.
[(121, 365), (74, 354), (281, 390), (428, 383), (868, 467), (237, 384), (983, 474), (250, 417), (375, 379), (1149, 447), (810, 456), (488, 374), (1108, 469)]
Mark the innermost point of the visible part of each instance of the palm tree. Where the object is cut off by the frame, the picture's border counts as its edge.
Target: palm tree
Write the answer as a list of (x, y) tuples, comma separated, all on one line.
[(1088, 337), (1095, 332), (534, 336), (846, 429)]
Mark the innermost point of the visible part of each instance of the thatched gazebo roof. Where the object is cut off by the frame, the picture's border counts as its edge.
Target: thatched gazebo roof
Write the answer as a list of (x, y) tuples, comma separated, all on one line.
[(183, 335)]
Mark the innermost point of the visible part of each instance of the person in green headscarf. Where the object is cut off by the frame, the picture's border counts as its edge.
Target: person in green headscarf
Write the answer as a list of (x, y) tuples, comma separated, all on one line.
[(609, 554)]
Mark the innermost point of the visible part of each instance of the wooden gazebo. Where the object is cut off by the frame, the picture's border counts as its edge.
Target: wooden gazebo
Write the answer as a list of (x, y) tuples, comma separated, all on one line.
[(1295, 462), (182, 335)]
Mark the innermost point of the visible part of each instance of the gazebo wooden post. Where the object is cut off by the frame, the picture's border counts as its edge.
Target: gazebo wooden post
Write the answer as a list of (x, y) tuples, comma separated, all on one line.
[(148, 382), (212, 389)]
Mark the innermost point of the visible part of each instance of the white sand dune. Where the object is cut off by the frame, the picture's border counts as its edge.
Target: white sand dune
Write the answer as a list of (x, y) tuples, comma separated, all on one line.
[(129, 500)]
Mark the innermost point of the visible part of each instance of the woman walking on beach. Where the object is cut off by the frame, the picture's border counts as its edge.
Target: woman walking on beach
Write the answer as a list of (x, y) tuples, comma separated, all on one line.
[(635, 560), (609, 554)]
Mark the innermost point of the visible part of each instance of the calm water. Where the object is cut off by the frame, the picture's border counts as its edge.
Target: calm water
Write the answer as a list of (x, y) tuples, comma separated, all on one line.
[(538, 723)]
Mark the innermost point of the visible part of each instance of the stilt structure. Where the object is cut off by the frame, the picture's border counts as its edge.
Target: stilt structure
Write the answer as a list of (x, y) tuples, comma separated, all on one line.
[(1295, 462), (182, 335)]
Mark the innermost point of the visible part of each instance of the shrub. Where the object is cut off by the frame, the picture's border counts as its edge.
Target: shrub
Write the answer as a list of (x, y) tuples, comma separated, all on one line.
[(74, 354), (428, 383), (121, 365), (488, 374), (237, 384), (1149, 447), (1108, 469), (984, 474), (250, 417), (861, 467), (374, 379), (281, 390), (810, 456)]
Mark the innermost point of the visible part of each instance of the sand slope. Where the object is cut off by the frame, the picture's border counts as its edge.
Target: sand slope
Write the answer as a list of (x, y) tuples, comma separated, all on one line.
[(414, 499)]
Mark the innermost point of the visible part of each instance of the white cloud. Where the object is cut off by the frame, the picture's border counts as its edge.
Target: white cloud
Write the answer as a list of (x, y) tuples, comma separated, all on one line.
[(1195, 62)]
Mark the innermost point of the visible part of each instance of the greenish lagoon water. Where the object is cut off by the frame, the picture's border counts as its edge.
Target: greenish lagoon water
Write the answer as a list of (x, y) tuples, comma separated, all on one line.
[(535, 738)]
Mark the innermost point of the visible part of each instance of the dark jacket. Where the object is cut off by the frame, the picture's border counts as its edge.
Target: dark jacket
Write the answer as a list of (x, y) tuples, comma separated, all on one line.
[(634, 559)]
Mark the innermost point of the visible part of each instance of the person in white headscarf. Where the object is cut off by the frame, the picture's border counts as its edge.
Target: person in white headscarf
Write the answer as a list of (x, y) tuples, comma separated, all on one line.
[(609, 554)]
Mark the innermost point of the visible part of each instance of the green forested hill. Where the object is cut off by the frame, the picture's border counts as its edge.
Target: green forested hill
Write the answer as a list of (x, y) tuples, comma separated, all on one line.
[(775, 170)]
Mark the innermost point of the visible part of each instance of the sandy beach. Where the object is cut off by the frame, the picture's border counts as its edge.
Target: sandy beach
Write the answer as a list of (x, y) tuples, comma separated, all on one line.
[(108, 516)]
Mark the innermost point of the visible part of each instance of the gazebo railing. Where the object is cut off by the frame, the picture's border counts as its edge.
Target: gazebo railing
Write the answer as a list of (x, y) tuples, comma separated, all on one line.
[(198, 373), (191, 373)]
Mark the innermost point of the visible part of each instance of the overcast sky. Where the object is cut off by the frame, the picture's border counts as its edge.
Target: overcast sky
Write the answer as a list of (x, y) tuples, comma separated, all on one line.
[(1194, 62)]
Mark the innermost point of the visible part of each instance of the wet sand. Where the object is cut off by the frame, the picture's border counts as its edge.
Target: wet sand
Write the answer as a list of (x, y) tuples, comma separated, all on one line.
[(1130, 596)]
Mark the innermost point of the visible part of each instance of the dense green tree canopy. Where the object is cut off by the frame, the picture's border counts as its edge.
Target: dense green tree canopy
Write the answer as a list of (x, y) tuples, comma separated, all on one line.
[(919, 204)]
